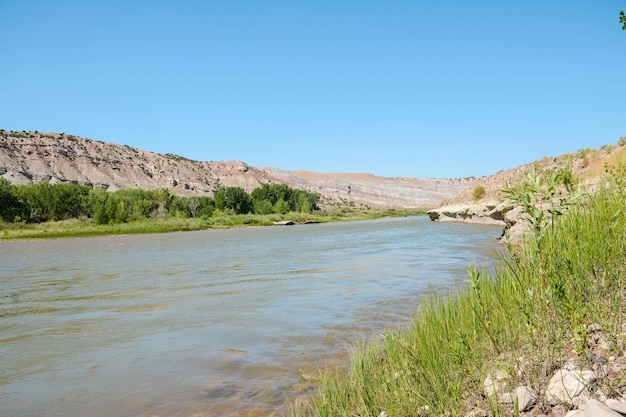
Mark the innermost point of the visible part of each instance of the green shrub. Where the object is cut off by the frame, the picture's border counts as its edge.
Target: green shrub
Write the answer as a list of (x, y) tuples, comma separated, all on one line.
[(51, 202), (263, 207), (234, 198), (281, 207), (221, 221), (10, 204), (479, 192)]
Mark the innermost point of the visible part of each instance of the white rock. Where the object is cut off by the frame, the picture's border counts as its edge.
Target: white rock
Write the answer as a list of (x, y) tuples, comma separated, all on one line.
[(524, 396), (383, 414), (482, 213), (595, 408), (595, 327), (495, 383), (580, 400), (575, 413), (616, 405), (507, 398), (601, 343), (566, 384)]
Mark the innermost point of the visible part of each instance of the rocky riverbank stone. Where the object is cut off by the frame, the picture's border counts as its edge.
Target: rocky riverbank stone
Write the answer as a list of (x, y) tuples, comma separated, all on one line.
[(616, 405), (567, 384), (595, 408), (525, 397), (495, 383)]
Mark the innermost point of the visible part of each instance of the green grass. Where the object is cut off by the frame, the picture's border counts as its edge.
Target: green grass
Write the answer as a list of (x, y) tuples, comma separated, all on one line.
[(525, 319), (84, 227)]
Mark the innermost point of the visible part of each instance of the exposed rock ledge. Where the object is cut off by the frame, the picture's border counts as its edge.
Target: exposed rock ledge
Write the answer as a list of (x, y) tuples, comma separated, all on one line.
[(489, 213), (505, 214)]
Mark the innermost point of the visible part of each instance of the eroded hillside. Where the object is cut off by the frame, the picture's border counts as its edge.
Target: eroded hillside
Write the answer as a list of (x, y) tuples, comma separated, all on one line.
[(586, 165), (34, 156)]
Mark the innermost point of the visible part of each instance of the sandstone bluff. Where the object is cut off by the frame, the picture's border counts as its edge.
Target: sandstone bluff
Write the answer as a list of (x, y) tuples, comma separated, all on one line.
[(58, 157)]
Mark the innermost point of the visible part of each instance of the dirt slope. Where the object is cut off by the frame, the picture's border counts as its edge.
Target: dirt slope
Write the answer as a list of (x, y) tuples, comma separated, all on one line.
[(587, 165)]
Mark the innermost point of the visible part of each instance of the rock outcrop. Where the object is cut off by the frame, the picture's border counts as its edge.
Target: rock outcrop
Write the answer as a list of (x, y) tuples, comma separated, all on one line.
[(485, 213), (512, 218)]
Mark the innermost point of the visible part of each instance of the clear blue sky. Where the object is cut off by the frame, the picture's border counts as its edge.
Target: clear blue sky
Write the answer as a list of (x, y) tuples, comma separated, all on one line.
[(394, 88)]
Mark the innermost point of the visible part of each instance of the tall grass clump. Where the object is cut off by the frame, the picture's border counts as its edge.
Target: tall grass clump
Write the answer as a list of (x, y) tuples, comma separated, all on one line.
[(526, 319), (83, 227)]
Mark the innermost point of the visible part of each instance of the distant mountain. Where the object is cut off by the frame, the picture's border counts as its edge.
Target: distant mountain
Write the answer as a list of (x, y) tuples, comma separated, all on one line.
[(33, 157)]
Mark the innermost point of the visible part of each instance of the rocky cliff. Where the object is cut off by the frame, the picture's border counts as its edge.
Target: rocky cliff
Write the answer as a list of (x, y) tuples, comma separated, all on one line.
[(34, 156)]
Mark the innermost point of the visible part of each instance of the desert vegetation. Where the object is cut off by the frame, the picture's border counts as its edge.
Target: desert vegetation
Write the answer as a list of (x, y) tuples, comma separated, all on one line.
[(66, 209), (479, 192), (558, 302)]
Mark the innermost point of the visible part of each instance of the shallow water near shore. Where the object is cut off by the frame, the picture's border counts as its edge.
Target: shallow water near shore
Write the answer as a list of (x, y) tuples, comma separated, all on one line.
[(217, 322)]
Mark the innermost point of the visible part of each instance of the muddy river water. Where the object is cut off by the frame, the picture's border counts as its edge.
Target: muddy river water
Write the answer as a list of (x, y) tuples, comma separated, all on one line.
[(211, 323)]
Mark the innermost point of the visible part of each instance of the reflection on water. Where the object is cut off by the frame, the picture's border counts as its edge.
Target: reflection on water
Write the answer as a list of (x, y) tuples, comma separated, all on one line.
[(219, 322)]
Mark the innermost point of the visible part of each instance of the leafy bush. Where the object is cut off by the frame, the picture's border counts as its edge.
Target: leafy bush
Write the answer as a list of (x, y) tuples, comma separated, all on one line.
[(263, 207), (10, 204), (45, 202), (281, 207), (233, 198), (283, 199), (479, 192)]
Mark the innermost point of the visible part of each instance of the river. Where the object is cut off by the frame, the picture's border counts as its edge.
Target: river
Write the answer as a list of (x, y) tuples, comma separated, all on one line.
[(211, 323)]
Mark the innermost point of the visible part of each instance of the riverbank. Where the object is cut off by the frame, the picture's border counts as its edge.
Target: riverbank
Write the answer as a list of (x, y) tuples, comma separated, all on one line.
[(545, 335), (84, 227)]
